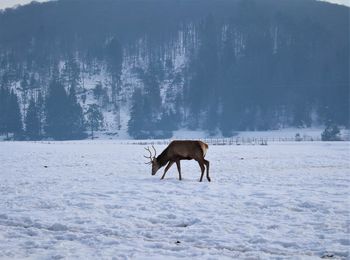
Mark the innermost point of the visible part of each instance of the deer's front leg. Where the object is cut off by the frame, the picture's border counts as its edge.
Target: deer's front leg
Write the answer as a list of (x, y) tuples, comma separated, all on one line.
[(166, 169), (179, 169)]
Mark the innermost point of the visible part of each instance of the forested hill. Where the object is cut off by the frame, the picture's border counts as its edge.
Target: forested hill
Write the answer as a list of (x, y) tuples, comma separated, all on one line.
[(149, 67)]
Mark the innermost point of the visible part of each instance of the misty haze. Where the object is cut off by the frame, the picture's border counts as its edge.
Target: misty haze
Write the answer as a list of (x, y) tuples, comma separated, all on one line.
[(257, 89)]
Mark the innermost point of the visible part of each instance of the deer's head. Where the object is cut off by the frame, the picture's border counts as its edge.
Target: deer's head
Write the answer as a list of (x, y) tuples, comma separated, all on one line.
[(153, 160)]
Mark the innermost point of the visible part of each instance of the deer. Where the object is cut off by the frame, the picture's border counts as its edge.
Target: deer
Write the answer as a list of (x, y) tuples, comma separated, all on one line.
[(175, 152)]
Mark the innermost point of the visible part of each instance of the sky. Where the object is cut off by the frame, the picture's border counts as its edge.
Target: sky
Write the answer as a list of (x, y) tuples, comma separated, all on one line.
[(11, 3)]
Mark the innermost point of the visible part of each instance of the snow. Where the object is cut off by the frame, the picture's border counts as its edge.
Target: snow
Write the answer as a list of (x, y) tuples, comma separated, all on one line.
[(189, 134), (283, 134), (98, 200), (312, 132)]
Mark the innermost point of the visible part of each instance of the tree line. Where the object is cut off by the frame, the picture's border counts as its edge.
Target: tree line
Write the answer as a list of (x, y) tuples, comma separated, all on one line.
[(58, 116), (246, 65)]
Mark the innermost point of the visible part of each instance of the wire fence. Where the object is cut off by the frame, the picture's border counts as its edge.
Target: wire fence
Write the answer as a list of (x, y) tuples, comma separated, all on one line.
[(236, 140), (233, 140)]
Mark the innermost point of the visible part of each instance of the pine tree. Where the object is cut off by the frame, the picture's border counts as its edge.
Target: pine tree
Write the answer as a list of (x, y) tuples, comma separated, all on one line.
[(57, 124), (24, 86), (94, 118), (75, 116), (114, 56), (146, 103), (71, 72), (41, 112), (167, 123), (4, 96), (64, 117), (137, 116), (331, 133), (14, 116), (32, 121), (114, 59), (151, 79), (202, 96)]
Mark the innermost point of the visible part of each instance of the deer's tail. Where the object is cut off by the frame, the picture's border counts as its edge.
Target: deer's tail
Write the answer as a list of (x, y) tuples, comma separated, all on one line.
[(204, 147)]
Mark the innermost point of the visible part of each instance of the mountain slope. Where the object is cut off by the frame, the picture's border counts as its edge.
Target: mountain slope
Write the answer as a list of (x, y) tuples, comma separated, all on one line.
[(219, 66)]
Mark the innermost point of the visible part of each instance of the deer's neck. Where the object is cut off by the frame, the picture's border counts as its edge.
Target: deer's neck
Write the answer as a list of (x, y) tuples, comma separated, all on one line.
[(163, 158)]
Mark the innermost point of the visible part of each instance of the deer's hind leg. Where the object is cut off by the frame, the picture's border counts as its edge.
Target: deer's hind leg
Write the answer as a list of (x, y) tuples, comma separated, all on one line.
[(167, 168), (207, 166), (201, 165)]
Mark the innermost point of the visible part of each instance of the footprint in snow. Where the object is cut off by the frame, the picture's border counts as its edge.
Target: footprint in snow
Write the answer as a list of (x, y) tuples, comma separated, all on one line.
[(58, 227)]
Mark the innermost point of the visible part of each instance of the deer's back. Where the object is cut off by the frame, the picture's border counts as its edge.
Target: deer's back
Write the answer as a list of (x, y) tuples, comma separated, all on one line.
[(185, 149)]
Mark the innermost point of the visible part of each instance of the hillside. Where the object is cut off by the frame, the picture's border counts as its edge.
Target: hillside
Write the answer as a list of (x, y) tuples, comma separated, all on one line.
[(157, 66)]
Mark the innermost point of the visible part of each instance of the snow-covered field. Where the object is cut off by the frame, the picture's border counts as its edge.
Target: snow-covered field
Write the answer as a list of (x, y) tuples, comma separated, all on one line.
[(98, 200)]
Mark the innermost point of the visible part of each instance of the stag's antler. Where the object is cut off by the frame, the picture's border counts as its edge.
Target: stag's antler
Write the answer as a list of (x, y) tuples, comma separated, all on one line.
[(150, 155), (155, 152)]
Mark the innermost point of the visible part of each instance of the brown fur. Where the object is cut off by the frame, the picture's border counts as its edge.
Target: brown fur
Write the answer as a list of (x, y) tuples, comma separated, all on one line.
[(182, 150)]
